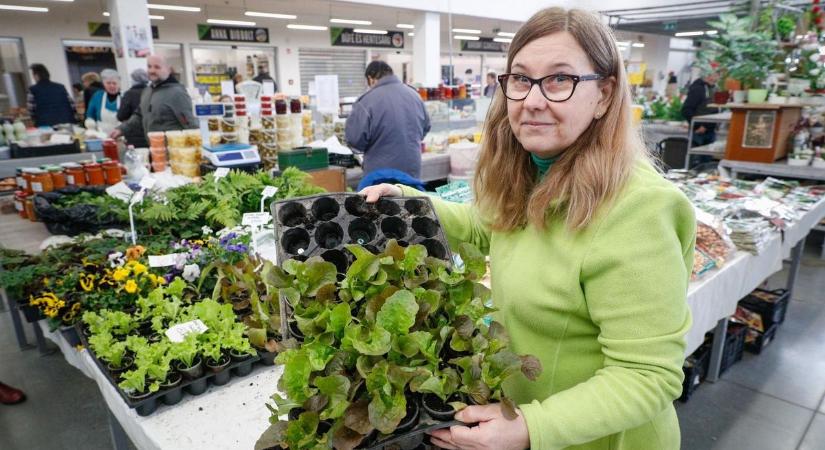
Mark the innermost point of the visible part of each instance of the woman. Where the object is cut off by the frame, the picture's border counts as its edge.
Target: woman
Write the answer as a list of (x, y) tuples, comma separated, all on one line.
[(590, 250), (104, 104), (130, 104), (91, 84)]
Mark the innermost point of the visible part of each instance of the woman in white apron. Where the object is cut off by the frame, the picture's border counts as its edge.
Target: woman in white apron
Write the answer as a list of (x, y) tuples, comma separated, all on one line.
[(104, 104)]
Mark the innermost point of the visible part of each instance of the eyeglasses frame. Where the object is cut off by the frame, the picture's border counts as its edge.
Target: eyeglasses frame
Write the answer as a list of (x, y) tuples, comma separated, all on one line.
[(537, 81)]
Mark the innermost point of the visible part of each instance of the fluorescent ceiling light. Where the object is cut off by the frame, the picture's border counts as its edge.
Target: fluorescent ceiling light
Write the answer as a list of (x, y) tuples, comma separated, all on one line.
[(173, 7), (231, 22), (505, 40), (622, 43), (351, 21), (151, 16), (466, 38), (405, 26), (24, 8), (270, 15), (466, 30), (638, 45), (296, 26), (369, 31), (413, 34), (105, 13), (506, 34), (689, 33)]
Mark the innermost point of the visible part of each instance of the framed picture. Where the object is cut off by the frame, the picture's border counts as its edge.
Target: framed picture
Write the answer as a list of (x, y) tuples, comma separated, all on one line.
[(759, 127)]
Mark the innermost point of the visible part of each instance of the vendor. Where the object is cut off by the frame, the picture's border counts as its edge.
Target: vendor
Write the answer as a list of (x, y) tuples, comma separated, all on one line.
[(388, 123), (696, 104), (104, 104), (590, 247)]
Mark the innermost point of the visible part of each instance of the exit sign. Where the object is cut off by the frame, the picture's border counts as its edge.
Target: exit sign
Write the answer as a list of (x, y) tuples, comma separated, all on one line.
[(670, 26)]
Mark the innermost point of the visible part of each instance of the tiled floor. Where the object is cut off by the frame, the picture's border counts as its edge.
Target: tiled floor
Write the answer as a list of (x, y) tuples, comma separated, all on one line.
[(768, 402)]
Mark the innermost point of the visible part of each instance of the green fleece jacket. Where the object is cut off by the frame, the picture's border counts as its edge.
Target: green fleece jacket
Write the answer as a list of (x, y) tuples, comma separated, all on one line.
[(605, 311)]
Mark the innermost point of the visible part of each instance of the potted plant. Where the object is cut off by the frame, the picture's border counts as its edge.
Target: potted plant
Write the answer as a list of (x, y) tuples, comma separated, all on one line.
[(111, 351)]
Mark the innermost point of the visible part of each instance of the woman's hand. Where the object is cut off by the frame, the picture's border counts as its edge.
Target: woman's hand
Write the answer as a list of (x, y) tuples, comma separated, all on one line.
[(373, 193), (493, 432)]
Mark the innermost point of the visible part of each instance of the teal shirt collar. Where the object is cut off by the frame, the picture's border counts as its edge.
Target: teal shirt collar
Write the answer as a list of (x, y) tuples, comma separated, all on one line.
[(543, 164)]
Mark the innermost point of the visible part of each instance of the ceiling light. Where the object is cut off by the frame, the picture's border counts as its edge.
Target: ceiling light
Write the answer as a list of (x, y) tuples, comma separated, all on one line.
[(154, 17), (506, 34), (24, 8), (270, 15), (466, 38), (351, 21), (231, 22), (689, 33), (622, 43), (405, 26), (413, 34), (466, 30), (296, 26), (505, 40), (369, 31), (105, 13), (173, 7), (638, 45)]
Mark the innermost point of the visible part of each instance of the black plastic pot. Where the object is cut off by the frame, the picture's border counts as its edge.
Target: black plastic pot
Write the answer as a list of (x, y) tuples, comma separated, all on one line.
[(147, 407), (411, 419), (387, 207), (438, 409), (325, 208), (295, 331), (356, 205), (416, 207), (126, 364), (197, 387), (329, 235), (154, 337), (241, 370), (193, 372), (295, 240), (292, 214), (361, 231), (338, 258), (145, 328), (294, 413), (267, 358), (394, 228), (174, 392), (219, 369), (70, 334)]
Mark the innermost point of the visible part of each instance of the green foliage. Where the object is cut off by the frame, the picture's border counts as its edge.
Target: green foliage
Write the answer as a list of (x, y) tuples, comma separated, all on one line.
[(740, 53), (674, 109), (186, 351), (108, 207)]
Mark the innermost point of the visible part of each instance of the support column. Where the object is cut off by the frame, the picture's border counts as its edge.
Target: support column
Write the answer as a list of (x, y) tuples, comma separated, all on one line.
[(427, 49), (131, 36)]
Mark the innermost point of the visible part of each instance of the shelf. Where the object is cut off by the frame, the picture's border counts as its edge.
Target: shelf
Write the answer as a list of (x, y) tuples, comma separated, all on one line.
[(713, 118), (711, 149)]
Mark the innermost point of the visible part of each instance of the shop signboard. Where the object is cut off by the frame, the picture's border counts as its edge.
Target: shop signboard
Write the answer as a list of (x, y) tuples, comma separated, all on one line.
[(347, 37), (484, 44), (102, 29), (232, 34)]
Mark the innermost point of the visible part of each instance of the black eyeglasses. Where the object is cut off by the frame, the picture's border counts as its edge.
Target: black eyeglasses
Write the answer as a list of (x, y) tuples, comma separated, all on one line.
[(558, 87)]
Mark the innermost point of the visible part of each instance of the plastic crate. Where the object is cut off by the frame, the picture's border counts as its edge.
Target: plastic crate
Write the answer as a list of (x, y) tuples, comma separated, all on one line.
[(756, 341), (771, 305), (304, 158), (734, 345), (695, 369)]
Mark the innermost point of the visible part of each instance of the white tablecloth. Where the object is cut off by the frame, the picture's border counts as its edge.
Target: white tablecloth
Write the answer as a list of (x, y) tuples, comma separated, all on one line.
[(231, 416), (797, 231)]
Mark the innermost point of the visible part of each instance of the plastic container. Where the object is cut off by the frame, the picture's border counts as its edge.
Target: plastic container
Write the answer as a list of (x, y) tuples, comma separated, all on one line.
[(94, 174), (756, 341), (112, 172), (193, 138), (463, 157), (41, 181), (770, 305), (695, 369), (214, 124), (184, 154), (58, 177), (186, 169), (75, 175), (175, 139), (158, 166), (156, 139), (27, 178), (158, 154), (734, 345)]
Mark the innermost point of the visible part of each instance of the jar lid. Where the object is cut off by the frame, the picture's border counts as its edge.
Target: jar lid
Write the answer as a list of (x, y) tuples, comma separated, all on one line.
[(70, 165), (55, 169), (36, 171), (21, 193), (241, 112), (110, 164), (91, 165)]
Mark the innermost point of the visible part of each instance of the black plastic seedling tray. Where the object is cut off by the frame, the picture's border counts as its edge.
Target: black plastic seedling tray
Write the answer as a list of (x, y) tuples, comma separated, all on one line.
[(148, 405), (323, 225), (413, 438)]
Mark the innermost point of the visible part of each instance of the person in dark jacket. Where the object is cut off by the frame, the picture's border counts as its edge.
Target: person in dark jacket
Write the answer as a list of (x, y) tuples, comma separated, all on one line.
[(696, 104), (49, 102), (129, 105), (91, 84), (263, 75), (387, 123)]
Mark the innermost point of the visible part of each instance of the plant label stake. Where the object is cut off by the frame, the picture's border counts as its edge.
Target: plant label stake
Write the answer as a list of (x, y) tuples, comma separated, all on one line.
[(269, 191), (221, 172), (120, 191), (136, 198), (177, 333), (147, 182)]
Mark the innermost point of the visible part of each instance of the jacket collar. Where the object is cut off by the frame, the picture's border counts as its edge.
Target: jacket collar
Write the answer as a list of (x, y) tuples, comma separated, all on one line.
[(388, 79), (170, 80)]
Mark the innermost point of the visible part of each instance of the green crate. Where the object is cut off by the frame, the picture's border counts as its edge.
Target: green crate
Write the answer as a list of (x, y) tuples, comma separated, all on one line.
[(304, 158)]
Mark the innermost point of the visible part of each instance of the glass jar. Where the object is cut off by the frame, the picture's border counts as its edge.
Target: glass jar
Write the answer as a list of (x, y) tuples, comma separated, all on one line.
[(110, 149), (280, 107), (94, 174), (447, 93), (29, 208), (75, 175), (41, 181), (58, 177), (454, 92), (111, 172), (295, 105), (266, 112), (462, 91), (422, 92), (27, 179), (20, 203), (18, 175)]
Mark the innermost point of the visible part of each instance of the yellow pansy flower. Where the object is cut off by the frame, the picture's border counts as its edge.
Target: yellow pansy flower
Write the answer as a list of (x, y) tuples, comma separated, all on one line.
[(87, 282), (120, 274), (139, 268), (131, 286)]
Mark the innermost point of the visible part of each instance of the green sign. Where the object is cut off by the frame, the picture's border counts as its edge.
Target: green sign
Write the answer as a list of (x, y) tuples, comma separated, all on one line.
[(101, 29), (232, 34), (347, 37), (670, 26)]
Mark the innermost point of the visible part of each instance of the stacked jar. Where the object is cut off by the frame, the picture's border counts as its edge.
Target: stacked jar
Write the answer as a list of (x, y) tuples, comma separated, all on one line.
[(184, 152), (307, 126), (75, 176), (284, 124), (241, 119), (40, 181), (296, 121), (157, 150), (20, 203), (58, 176), (94, 174)]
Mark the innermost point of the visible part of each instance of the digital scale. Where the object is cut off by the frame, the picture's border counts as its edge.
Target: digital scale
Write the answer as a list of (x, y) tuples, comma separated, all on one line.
[(232, 155)]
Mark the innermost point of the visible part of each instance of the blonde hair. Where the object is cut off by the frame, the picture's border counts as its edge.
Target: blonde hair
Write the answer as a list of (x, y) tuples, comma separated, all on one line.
[(587, 174), (90, 77)]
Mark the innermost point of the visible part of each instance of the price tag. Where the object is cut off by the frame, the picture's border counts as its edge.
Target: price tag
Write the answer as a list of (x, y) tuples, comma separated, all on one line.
[(120, 191), (37, 187), (164, 260), (147, 182), (265, 245), (255, 219), (269, 191), (221, 172), (178, 333), (137, 198)]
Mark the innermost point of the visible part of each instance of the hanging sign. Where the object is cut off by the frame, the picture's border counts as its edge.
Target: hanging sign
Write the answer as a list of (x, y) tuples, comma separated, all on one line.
[(232, 34), (347, 37), (484, 44), (102, 29)]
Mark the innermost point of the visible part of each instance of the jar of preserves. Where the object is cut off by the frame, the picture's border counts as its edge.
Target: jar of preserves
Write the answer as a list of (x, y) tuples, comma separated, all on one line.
[(110, 149), (29, 208), (27, 179), (280, 107), (18, 175), (422, 92), (111, 172), (94, 174), (462, 91), (20, 203), (75, 175), (41, 181), (295, 105), (454, 92), (58, 177)]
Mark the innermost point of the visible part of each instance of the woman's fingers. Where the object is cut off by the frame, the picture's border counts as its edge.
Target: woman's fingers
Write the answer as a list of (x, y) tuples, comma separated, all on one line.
[(373, 193)]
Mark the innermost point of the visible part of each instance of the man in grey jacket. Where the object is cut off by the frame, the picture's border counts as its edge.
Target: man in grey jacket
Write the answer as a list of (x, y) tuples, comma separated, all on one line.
[(387, 123), (164, 104)]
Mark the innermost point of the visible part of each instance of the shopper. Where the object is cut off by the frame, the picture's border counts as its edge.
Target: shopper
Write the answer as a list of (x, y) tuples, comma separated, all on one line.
[(591, 250), (263, 75), (130, 104), (490, 88), (10, 395), (104, 104), (48, 102), (672, 88), (91, 84), (387, 123), (164, 104), (696, 104)]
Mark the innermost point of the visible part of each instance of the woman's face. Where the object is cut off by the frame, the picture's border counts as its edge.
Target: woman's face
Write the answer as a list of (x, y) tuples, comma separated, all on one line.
[(111, 86), (547, 128)]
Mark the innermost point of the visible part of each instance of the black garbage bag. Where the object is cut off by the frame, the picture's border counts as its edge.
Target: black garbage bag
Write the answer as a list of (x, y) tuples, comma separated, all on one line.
[(73, 220)]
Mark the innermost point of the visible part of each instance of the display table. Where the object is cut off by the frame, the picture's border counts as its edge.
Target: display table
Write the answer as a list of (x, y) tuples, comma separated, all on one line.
[(777, 169), (8, 166)]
